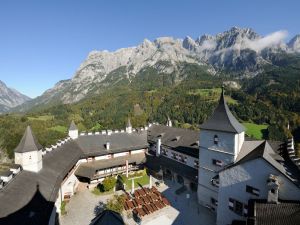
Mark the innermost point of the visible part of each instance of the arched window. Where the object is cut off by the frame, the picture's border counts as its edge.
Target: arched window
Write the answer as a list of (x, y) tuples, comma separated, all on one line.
[(216, 139)]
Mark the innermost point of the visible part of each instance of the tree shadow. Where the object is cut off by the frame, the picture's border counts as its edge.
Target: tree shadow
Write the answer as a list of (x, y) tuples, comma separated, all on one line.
[(141, 186), (265, 134), (99, 208), (120, 183)]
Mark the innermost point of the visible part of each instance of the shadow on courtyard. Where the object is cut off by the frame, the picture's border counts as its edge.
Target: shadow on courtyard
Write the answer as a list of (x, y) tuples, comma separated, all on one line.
[(190, 212), (187, 211), (99, 208)]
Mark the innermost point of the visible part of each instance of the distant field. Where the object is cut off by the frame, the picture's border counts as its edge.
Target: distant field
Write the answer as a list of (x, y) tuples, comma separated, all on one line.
[(213, 94), (61, 129), (42, 118), (255, 130)]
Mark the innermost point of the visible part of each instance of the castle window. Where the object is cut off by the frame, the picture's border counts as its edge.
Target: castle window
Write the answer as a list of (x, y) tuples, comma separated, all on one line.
[(182, 158), (252, 190), (214, 201), (196, 164), (216, 139), (217, 162), (174, 156), (164, 152), (238, 207)]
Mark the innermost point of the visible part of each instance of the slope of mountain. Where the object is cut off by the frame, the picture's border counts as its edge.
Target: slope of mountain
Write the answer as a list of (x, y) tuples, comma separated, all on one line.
[(294, 43), (240, 52), (10, 98)]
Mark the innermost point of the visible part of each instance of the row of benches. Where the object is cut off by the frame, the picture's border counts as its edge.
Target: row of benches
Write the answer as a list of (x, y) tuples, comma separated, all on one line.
[(145, 201)]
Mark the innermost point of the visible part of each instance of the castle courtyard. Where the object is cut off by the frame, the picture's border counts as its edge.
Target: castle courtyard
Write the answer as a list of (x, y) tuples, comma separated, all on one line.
[(82, 208)]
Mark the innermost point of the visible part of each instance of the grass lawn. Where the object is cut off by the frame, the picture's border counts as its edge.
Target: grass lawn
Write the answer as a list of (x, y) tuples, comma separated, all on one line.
[(42, 118), (255, 130), (96, 191), (230, 100), (212, 94), (59, 128), (63, 208), (142, 181)]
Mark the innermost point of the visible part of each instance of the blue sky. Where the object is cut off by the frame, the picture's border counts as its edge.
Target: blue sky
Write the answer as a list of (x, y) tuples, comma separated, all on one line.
[(42, 42)]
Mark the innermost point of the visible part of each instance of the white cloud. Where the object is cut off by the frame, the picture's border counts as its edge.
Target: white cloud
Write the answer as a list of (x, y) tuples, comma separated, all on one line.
[(209, 44), (270, 40)]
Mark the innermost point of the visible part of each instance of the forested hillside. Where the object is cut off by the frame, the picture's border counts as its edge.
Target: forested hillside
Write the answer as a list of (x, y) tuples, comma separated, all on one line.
[(271, 98)]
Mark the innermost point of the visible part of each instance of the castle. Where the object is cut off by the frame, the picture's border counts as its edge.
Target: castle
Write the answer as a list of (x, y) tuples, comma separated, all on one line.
[(233, 176)]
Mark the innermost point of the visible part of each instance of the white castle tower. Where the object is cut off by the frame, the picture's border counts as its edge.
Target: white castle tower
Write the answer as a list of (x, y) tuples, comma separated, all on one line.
[(128, 127), (73, 131), (29, 152), (221, 138)]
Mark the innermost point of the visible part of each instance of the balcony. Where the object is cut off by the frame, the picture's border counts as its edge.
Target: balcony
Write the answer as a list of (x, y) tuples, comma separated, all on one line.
[(114, 171)]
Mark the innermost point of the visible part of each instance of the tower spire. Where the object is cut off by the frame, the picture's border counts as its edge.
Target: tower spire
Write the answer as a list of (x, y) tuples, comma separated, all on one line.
[(222, 119), (222, 97), (29, 152), (28, 142), (73, 130)]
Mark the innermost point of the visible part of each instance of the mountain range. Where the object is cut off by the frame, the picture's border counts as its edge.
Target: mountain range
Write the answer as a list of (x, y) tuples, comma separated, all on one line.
[(10, 98), (240, 52)]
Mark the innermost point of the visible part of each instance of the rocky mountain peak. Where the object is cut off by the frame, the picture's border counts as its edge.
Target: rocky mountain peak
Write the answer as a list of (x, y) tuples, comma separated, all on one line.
[(189, 43), (146, 44), (235, 37), (294, 43), (10, 97), (239, 50), (203, 38)]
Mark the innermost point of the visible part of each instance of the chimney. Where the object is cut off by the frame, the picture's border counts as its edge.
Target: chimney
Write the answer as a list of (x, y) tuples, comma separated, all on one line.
[(107, 145), (273, 189), (128, 127), (158, 146), (169, 122)]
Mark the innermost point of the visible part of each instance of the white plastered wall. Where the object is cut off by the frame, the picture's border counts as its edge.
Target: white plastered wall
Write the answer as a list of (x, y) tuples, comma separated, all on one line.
[(30, 161)]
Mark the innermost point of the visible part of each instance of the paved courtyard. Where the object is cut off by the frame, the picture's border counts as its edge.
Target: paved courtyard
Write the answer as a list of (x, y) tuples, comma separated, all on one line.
[(83, 206)]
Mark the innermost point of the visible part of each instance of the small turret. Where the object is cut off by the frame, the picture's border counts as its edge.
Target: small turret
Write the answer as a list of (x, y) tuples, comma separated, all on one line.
[(128, 127), (73, 131), (29, 152)]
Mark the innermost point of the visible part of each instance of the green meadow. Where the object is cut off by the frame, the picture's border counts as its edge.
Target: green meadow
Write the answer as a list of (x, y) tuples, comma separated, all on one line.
[(255, 130)]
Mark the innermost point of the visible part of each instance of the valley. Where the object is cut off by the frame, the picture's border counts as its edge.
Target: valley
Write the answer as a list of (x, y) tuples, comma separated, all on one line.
[(168, 78)]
